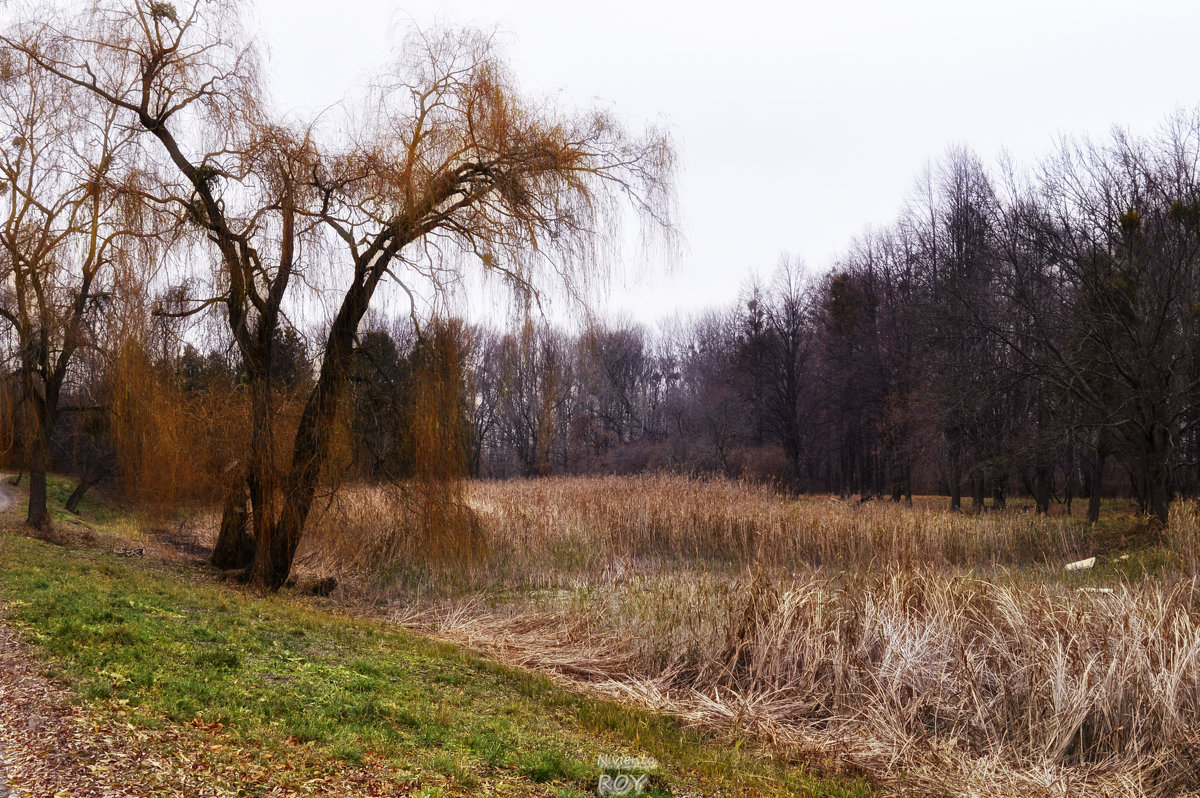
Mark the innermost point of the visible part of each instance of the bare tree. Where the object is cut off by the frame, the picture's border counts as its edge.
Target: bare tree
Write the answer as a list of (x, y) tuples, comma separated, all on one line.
[(789, 316), (70, 235), (1119, 241)]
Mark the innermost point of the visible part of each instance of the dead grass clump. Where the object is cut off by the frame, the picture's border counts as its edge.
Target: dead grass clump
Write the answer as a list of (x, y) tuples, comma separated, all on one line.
[(1183, 535)]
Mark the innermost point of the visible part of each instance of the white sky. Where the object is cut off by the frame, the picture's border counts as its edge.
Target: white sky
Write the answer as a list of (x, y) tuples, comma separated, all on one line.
[(799, 123)]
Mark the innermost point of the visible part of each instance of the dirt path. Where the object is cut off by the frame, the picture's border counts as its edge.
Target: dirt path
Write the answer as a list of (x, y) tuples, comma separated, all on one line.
[(8, 497), (47, 746)]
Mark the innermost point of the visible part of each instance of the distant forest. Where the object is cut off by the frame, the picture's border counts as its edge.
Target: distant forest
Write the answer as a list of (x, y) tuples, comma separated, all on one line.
[(1012, 332)]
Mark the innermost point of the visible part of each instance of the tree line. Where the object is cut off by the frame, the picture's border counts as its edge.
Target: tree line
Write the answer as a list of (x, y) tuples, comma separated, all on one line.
[(1012, 331)]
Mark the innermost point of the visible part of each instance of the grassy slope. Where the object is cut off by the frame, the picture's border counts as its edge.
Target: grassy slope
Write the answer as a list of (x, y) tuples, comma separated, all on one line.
[(325, 694)]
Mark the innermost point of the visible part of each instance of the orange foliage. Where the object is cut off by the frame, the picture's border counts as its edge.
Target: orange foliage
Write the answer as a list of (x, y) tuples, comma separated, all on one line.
[(438, 432)]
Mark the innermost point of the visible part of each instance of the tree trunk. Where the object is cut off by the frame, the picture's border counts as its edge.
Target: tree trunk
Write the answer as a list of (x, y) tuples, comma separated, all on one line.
[(39, 514), (1072, 486), (242, 525), (1158, 474), (954, 479), (1093, 513), (277, 543), (86, 483), (999, 500), (977, 491), (262, 479), (1135, 467), (791, 447), (1159, 499), (235, 544), (1043, 487), (39, 463)]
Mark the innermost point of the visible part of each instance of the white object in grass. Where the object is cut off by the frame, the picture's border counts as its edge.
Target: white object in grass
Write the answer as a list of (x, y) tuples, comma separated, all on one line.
[(1081, 565)]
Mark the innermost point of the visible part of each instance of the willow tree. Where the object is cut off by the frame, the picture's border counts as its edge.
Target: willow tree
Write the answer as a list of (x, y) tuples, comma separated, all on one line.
[(188, 79), (449, 167), (71, 234), (455, 169)]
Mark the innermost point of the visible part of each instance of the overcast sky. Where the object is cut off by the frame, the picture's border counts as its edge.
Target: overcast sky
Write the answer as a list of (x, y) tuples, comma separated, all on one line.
[(798, 123)]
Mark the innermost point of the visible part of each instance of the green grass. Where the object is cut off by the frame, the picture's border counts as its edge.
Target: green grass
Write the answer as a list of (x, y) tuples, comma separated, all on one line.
[(96, 509), (291, 683)]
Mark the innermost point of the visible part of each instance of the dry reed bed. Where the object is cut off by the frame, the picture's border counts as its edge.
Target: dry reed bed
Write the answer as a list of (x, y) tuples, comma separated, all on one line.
[(979, 687), (856, 630), (544, 533)]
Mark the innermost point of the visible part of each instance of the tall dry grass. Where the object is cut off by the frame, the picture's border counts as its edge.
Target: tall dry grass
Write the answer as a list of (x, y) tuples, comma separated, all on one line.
[(979, 687), (1183, 535), (948, 648), (679, 517), (544, 533)]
